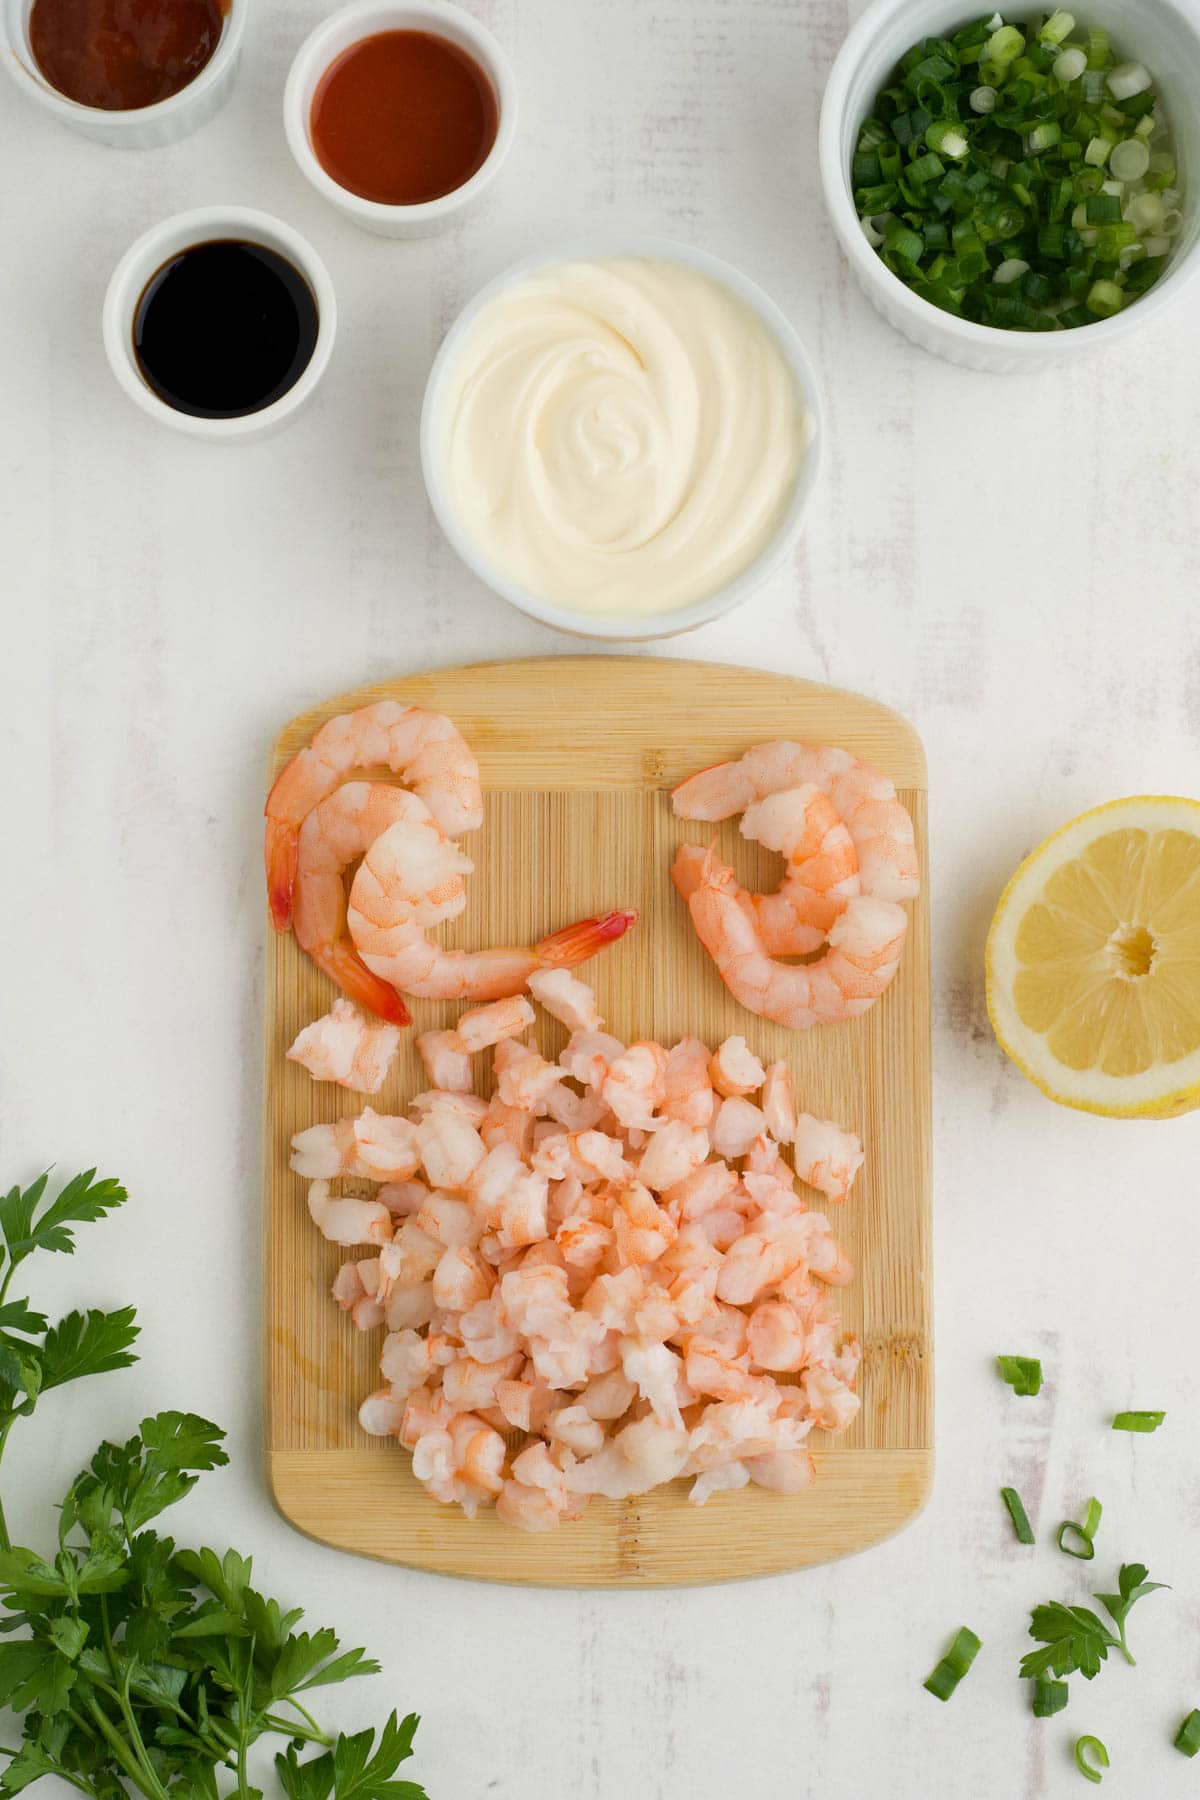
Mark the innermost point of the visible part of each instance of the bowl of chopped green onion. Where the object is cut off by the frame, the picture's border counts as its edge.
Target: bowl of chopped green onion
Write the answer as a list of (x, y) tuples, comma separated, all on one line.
[(1010, 189)]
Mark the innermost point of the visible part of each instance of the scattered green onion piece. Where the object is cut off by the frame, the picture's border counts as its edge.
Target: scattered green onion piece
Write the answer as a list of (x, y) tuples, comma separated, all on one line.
[(1138, 1421), (1085, 1532), (1187, 1738), (1018, 1515), (1022, 1373), (1105, 299), (947, 137), (1049, 1697), (1129, 161), (1010, 270), (1103, 209), (1004, 46), (1099, 54), (1044, 136), (954, 1664), (1128, 79), (1097, 151), (1070, 64), (1058, 26), (982, 99), (1090, 1746)]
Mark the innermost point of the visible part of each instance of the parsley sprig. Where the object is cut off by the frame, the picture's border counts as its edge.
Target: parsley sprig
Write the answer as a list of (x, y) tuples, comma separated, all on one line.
[(1073, 1638), (138, 1667)]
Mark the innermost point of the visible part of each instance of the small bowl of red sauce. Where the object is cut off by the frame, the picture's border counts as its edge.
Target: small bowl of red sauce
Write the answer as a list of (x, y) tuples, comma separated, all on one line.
[(133, 73), (401, 115)]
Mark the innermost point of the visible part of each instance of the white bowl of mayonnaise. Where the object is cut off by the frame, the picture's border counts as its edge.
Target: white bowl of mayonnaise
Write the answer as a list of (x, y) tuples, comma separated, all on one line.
[(620, 436)]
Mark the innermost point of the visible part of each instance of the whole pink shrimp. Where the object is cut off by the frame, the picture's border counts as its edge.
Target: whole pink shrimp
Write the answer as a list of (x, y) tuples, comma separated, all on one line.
[(392, 940), (426, 748), (861, 957), (334, 834), (862, 798)]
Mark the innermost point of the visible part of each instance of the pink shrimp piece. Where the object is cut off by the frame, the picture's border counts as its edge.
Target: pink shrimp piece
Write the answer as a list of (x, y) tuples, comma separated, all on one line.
[(583, 1241), (523, 1078), (382, 1414), (576, 1112), (409, 1305), (613, 1299), (403, 1198), (656, 1372), (487, 1025), (865, 800), (407, 1360), (637, 1458), (323, 1152), (386, 1148), (566, 999), (673, 1154), (737, 1124), (425, 748), (722, 1478), (861, 956), (589, 1055), (346, 1047), (787, 1468), (353, 1295), (348, 1221), (634, 1085), (415, 1255), (575, 1428), (778, 1106), (536, 1300), (708, 1187), (470, 1386), (776, 1337), (450, 1149), (528, 1508), (451, 1221), (642, 1229), (479, 1454), (833, 1403), (503, 1124), (687, 1088), (446, 1061), (759, 1259), (461, 1279), (608, 1397), (472, 1107), (728, 1431), (734, 1069), (827, 1157)]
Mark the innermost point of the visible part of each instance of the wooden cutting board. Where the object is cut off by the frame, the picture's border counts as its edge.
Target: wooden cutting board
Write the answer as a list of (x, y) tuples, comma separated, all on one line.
[(577, 756)]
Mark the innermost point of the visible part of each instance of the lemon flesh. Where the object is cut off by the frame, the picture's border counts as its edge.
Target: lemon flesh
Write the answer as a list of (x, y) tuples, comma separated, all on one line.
[(1093, 960)]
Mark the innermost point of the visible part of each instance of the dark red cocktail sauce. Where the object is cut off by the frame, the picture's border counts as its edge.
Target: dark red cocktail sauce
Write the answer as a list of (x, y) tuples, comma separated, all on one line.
[(122, 54), (403, 117)]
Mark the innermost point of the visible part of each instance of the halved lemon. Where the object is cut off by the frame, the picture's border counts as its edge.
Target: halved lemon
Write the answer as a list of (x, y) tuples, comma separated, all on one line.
[(1093, 961)]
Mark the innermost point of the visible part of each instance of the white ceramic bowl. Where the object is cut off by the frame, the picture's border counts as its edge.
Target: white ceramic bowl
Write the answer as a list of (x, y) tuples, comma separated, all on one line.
[(201, 226), (1160, 33), (620, 625), (348, 27), (144, 127)]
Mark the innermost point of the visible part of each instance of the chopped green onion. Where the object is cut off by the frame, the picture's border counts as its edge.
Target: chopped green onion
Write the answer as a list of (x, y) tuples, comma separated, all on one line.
[(1187, 1738), (1004, 45), (954, 1664), (1099, 54), (1097, 151), (1102, 209), (1022, 1373), (1085, 1532), (1044, 136), (1011, 269), (983, 99), (1018, 1515), (1090, 1746), (1049, 1697), (1138, 1421), (1128, 79), (1104, 298), (1129, 160), (948, 138), (1070, 64), (1058, 26)]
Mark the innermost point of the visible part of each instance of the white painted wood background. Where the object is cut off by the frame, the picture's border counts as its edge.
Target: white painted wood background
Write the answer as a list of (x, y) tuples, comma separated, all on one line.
[(1012, 563)]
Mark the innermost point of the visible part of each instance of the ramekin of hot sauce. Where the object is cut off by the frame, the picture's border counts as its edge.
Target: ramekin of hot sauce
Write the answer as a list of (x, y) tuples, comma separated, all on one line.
[(134, 73), (401, 115)]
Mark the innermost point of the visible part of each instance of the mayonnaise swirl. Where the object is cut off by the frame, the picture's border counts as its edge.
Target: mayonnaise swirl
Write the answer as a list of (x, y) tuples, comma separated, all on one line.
[(622, 435)]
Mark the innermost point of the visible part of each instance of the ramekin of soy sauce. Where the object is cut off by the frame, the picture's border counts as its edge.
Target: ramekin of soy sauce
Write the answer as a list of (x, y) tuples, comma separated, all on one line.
[(136, 74), (220, 322)]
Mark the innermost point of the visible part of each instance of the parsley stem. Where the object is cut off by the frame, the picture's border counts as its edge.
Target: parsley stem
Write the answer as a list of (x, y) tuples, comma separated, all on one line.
[(144, 1779), (285, 1725), (5, 1540)]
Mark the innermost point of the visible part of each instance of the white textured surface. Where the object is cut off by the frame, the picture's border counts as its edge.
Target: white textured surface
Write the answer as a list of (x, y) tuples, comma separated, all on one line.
[(1011, 563)]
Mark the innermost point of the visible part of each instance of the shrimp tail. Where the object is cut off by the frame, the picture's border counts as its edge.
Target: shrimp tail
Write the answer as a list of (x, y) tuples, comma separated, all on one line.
[(354, 978), (576, 943), (282, 858)]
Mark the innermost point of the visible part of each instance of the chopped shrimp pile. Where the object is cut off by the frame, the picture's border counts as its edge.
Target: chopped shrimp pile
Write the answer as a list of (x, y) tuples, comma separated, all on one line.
[(851, 858), (609, 1257)]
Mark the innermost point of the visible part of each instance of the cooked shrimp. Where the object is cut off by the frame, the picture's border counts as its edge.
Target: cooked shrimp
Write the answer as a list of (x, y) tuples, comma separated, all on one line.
[(687, 1085), (446, 1062), (779, 1108), (346, 1047), (334, 835), (737, 1124), (348, 1221), (487, 1025), (634, 1085), (864, 800), (570, 1001), (821, 873), (398, 950), (734, 1069), (426, 748), (859, 961), (827, 1157)]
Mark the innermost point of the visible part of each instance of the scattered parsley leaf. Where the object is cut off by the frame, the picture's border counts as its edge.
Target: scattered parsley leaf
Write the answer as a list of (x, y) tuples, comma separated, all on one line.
[(1073, 1638), (1132, 1582), (82, 1200), (90, 1344)]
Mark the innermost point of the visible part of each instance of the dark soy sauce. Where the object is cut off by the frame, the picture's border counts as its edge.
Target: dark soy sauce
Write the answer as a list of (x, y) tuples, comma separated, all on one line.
[(224, 329)]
